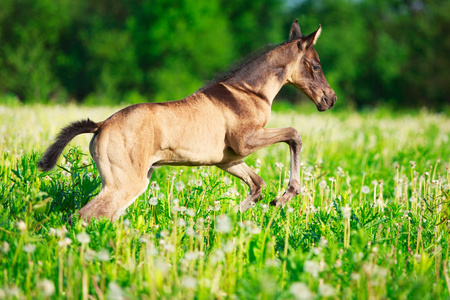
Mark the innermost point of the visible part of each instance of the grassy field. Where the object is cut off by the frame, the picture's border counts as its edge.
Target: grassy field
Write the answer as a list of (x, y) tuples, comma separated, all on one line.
[(372, 221)]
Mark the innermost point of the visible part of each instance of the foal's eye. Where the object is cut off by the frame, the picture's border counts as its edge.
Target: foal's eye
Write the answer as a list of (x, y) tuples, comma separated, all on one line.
[(316, 68)]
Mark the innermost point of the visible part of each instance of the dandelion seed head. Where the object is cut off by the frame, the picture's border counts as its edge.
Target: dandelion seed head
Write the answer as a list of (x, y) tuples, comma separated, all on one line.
[(365, 189), (5, 247), (179, 186), (346, 211), (21, 226), (300, 291), (189, 282), (47, 287), (153, 201), (312, 268), (190, 212), (103, 255), (29, 248), (223, 224), (114, 292), (322, 184), (83, 238), (90, 255), (326, 290)]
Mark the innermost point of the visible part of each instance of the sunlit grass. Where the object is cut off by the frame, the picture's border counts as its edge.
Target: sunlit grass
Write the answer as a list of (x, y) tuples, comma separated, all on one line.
[(371, 221)]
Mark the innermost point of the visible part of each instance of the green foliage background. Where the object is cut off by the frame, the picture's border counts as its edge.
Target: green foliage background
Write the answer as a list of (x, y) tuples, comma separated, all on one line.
[(101, 52)]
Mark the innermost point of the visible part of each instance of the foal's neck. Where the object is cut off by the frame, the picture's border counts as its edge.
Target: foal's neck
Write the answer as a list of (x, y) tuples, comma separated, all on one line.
[(265, 76)]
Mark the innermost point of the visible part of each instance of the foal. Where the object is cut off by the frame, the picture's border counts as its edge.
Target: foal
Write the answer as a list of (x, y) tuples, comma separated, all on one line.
[(218, 125)]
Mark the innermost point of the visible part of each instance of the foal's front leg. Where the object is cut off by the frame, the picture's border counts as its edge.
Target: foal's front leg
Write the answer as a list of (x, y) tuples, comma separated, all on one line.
[(255, 183), (268, 136)]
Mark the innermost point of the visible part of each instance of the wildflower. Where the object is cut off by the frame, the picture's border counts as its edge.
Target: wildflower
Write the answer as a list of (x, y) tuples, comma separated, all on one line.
[(182, 222), (326, 290), (418, 257), (323, 242), (323, 184), (257, 163), (21, 226), (64, 242), (29, 248), (311, 267), (300, 291), (332, 179), (279, 165), (191, 255), (189, 282), (226, 180), (103, 255), (47, 287), (228, 247), (162, 266), (190, 212), (154, 186), (290, 209), (190, 231), (365, 189), (114, 291), (346, 211), (179, 186), (217, 256), (265, 207), (90, 255), (153, 201), (198, 183), (413, 164), (223, 224), (83, 238), (5, 247)]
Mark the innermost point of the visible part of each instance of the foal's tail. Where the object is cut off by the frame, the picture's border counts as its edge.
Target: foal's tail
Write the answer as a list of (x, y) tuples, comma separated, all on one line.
[(48, 161)]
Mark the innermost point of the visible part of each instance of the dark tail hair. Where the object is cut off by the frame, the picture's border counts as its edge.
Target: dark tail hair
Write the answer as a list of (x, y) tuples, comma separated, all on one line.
[(48, 161)]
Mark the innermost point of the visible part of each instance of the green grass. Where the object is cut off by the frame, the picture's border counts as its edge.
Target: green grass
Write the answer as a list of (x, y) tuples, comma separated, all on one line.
[(371, 222)]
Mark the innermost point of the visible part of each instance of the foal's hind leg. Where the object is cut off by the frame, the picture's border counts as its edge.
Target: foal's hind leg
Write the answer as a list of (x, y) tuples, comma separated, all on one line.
[(241, 170), (125, 175)]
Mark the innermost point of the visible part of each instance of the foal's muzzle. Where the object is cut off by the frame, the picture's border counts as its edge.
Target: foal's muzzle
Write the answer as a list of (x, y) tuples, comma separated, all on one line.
[(326, 102)]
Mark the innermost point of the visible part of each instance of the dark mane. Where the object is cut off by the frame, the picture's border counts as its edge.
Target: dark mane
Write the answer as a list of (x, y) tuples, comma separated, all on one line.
[(241, 64)]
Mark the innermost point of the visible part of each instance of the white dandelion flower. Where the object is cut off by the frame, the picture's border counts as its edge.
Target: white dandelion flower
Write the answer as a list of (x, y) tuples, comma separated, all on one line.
[(190, 212), (226, 180), (47, 287), (312, 268), (346, 211), (114, 292), (103, 255), (154, 186), (223, 224), (29, 248), (90, 255), (153, 201), (5, 247), (179, 186), (322, 184), (365, 189), (326, 290), (83, 238), (21, 226), (64, 242), (189, 282), (279, 165), (300, 291)]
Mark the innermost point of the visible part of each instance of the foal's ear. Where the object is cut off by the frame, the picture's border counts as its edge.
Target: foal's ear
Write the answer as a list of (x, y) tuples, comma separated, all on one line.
[(311, 39), (295, 32)]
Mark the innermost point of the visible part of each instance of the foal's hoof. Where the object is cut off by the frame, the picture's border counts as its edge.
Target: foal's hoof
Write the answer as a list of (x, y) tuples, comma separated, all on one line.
[(278, 201)]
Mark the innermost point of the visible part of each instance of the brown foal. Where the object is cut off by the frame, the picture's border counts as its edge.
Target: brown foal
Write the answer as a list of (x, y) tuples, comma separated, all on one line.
[(218, 125)]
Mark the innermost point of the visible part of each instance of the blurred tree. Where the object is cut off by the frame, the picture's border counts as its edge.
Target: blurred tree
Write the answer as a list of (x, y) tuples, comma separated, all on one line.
[(29, 45)]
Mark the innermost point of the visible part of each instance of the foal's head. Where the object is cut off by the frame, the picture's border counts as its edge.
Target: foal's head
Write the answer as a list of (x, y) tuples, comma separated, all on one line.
[(307, 74)]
